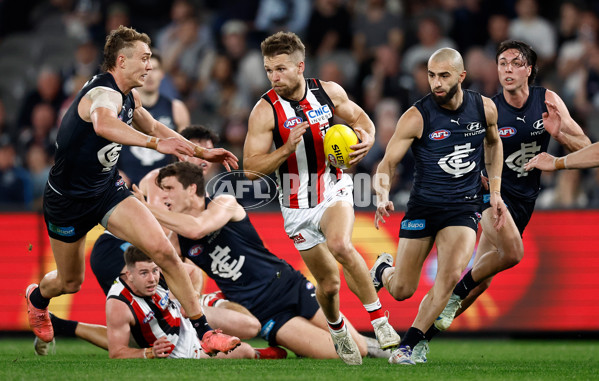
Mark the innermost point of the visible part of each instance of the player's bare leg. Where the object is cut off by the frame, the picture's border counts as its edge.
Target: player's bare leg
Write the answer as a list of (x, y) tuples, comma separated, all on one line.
[(402, 280)]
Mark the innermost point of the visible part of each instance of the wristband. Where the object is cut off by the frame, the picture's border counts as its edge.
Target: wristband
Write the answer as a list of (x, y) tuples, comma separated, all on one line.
[(560, 163), (148, 353), (152, 142), (198, 152), (495, 184)]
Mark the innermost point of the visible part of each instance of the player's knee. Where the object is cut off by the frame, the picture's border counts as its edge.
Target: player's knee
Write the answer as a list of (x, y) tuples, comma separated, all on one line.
[(403, 291), (341, 248), (329, 288), (253, 327), (161, 252), (513, 254), (71, 286)]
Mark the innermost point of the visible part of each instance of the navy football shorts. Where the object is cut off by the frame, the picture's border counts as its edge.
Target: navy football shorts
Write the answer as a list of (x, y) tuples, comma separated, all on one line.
[(520, 209), (69, 219), (425, 220), (290, 295)]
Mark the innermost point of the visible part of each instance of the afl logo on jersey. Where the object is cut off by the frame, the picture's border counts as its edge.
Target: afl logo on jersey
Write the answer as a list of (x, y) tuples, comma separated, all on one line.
[(439, 135), (292, 122), (196, 250), (507, 132)]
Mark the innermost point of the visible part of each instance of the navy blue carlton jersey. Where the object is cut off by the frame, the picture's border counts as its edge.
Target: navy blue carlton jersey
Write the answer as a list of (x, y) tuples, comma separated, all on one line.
[(136, 162), (85, 162), (523, 136), (449, 154), (235, 257)]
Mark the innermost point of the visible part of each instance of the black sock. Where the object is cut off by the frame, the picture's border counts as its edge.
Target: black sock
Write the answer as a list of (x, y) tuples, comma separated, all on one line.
[(463, 288), (378, 273), (38, 300), (432, 332), (201, 325), (63, 327), (412, 337)]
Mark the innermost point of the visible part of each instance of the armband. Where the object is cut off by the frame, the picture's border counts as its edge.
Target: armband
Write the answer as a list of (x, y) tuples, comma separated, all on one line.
[(148, 353), (495, 184), (152, 142), (561, 163)]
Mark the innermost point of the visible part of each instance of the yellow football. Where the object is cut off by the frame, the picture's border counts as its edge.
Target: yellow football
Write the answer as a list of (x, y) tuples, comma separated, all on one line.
[(337, 141)]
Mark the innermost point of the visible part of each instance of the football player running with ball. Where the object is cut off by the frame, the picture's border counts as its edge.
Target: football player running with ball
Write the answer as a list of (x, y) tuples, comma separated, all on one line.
[(317, 204)]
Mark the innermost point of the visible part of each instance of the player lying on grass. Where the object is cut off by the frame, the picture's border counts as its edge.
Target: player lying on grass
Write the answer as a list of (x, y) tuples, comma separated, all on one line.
[(217, 235), (139, 309)]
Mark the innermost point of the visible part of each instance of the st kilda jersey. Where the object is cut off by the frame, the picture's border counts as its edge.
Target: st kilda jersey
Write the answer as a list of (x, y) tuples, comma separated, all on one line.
[(156, 316), (305, 176), (449, 154), (523, 136), (85, 162)]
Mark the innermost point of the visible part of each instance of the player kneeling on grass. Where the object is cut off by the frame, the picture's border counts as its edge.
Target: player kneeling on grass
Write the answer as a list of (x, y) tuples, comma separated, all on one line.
[(139, 307)]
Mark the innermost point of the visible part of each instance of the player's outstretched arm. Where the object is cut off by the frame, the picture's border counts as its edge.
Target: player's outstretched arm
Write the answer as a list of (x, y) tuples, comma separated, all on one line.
[(560, 124), (587, 157), (408, 128), (258, 160)]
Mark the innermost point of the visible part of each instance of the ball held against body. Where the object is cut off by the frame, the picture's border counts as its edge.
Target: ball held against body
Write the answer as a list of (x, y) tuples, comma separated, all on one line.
[(336, 143)]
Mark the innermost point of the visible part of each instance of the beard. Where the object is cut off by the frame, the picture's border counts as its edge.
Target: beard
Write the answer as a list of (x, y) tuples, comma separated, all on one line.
[(447, 97), (288, 91)]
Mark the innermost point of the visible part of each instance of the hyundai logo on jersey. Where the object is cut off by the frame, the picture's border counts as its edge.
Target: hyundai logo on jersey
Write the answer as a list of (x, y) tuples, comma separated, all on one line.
[(439, 135), (506, 132), (538, 124), (473, 126), (292, 122)]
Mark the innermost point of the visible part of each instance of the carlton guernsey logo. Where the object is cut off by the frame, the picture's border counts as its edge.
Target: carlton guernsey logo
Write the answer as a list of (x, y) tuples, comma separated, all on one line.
[(439, 135), (507, 132), (292, 122), (196, 250)]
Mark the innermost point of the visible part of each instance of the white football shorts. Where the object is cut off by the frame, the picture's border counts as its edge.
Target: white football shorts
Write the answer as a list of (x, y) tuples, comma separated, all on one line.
[(303, 225)]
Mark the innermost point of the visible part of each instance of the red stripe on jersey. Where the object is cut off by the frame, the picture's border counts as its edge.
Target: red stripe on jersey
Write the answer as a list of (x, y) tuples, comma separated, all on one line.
[(139, 314), (166, 313), (146, 331), (319, 149), (292, 159)]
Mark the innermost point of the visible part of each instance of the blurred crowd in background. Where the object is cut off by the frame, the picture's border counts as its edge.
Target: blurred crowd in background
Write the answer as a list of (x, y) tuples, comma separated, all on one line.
[(376, 49)]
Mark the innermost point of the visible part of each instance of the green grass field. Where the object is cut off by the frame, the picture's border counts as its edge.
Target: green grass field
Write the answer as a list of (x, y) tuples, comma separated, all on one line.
[(450, 359)]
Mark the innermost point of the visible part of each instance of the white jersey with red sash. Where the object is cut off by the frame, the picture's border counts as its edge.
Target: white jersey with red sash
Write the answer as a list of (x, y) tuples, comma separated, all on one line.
[(157, 316), (305, 176)]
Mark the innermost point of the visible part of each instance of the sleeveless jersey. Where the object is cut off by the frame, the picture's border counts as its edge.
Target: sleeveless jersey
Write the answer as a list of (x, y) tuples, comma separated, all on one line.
[(235, 257), (305, 176), (85, 162), (158, 316), (449, 154), (523, 136), (135, 161)]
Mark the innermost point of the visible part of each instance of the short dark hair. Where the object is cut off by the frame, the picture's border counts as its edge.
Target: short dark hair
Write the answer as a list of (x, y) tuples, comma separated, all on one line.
[(199, 132), (282, 43), (134, 255), (527, 52), (118, 39), (186, 173)]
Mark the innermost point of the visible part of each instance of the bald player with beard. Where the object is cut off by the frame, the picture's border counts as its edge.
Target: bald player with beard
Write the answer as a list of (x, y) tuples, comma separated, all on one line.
[(446, 130)]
